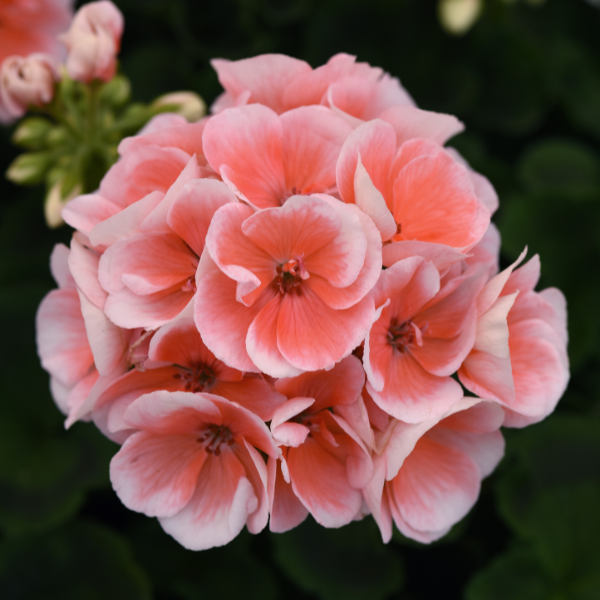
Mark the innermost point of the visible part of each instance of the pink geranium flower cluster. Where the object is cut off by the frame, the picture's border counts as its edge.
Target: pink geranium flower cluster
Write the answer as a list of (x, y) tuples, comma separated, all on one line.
[(294, 306)]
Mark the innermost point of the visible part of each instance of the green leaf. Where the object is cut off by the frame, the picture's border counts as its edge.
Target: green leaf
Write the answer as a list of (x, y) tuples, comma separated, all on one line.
[(350, 563), (82, 561)]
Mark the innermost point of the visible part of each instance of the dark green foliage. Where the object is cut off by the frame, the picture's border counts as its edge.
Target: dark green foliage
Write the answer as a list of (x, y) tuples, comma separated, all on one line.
[(526, 82)]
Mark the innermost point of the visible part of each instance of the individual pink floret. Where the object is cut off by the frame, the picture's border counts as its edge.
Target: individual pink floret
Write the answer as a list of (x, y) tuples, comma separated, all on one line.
[(286, 290), (178, 360), (325, 464), (266, 158), (427, 476), (412, 188), (356, 90), (149, 268), (519, 357), (194, 463), (422, 332)]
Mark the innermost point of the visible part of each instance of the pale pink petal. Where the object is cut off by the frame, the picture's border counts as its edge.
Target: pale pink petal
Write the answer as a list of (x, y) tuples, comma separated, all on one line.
[(167, 130), (376, 498), (83, 264), (59, 267), (291, 408), (256, 472), (442, 256), (410, 122), (525, 278), (266, 77), (126, 222), (85, 212)]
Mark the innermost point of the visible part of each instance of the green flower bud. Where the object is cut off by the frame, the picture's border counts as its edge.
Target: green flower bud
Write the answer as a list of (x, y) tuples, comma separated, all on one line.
[(117, 91), (57, 136), (56, 199), (187, 104), (458, 16), (30, 168), (31, 133)]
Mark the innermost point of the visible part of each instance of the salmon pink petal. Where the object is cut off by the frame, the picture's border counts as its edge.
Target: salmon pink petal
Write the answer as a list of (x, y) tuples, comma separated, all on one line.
[(525, 278), (375, 142), (219, 508), (485, 450), (341, 385), (172, 413), (108, 342), (251, 392), (83, 264), (425, 537), (126, 222), (436, 486), (157, 475), (303, 226), (377, 500), (442, 256), (193, 208), (85, 212), (312, 139), (248, 140), (434, 202), (266, 77), (320, 481), (157, 218), (487, 251), (411, 394), (291, 434), (291, 408), (262, 339), (334, 332), (222, 321), (168, 130), (410, 122), (256, 472), (370, 200), (287, 511), (62, 341), (236, 255), (59, 267)]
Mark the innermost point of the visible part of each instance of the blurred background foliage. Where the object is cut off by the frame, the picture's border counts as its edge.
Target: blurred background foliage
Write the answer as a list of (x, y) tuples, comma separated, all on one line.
[(526, 81)]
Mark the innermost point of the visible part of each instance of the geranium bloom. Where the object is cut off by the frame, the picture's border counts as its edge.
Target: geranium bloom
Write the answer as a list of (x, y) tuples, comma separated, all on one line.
[(421, 334), (519, 357), (28, 26), (416, 191), (179, 361), (282, 83), (194, 464), (427, 476), (93, 42), (285, 290), (25, 82), (325, 463), (267, 158)]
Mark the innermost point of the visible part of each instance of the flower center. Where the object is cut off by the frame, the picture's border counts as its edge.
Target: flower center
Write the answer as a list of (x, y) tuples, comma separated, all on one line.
[(214, 436), (195, 380), (403, 335), (290, 276)]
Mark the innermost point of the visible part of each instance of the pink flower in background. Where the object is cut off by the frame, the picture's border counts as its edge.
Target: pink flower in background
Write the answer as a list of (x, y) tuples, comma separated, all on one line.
[(519, 358), (285, 290), (267, 158), (356, 90), (421, 334), (28, 26), (427, 476), (325, 463), (25, 82), (93, 41), (194, 463)]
